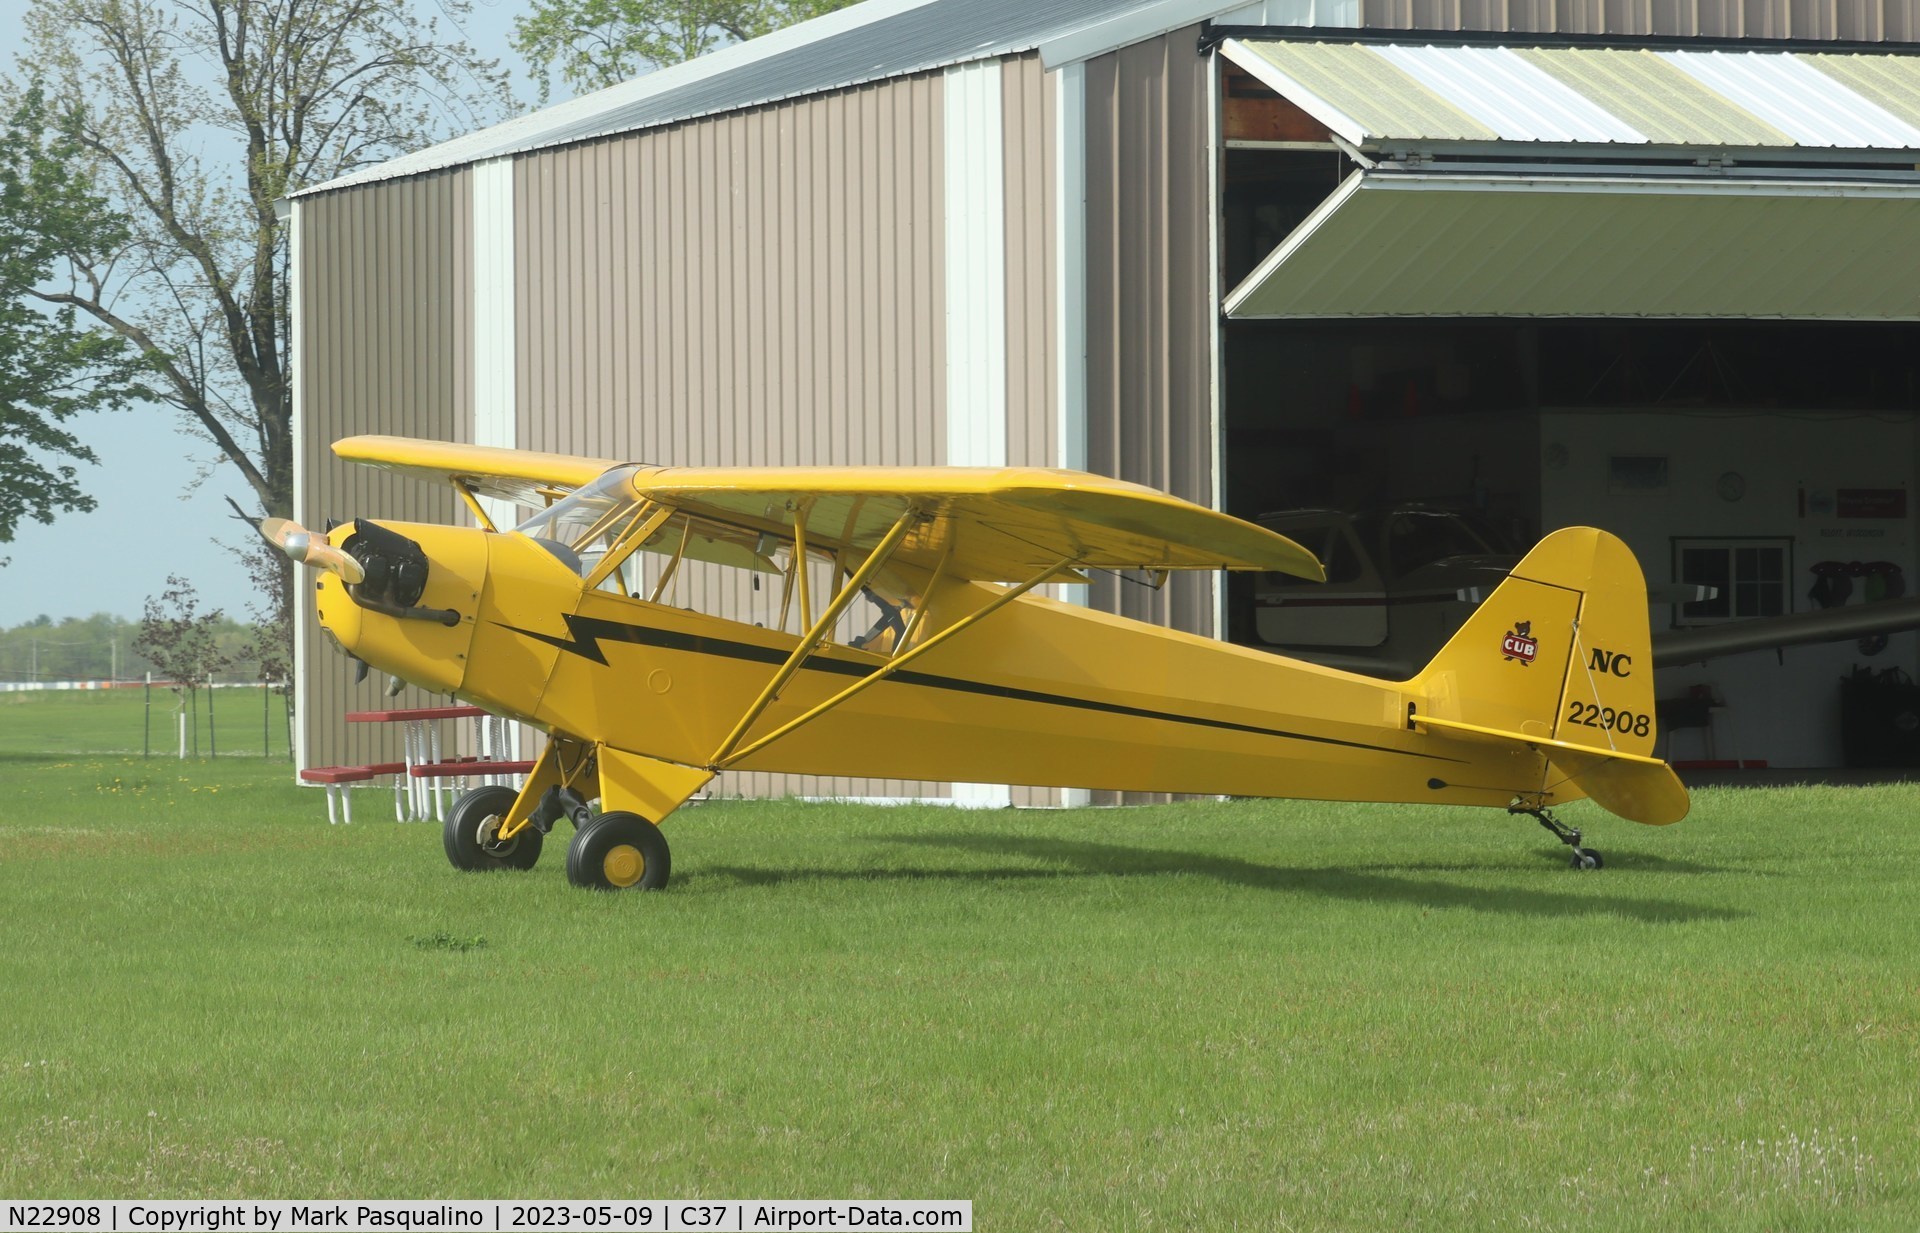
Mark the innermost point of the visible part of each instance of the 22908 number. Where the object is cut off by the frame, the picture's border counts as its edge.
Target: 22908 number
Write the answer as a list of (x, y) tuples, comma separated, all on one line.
[(1605, 717)]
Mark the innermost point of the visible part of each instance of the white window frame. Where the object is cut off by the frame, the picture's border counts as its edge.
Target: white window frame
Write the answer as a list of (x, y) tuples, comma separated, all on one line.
[(1731, 544)]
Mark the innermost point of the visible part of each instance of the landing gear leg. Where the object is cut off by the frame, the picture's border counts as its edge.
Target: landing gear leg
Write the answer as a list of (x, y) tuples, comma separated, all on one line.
[(1583, 858)]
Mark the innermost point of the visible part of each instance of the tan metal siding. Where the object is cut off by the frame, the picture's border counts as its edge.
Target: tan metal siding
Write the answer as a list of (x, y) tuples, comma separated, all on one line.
[(1028, 106), (1149, 308), (763, 287), (386, 336), (1866, 20)]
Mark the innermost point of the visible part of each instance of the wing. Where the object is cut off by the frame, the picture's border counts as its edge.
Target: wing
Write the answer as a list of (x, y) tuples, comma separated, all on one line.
[(990, 524), (1000, 524), (521, 476)]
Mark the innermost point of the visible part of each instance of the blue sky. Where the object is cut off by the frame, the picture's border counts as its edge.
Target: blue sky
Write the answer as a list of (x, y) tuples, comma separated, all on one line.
[(148, 524)]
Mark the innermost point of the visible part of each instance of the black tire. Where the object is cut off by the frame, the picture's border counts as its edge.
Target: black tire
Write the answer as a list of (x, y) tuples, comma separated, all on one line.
[(1587, 858), (461, 832), (619, 851)]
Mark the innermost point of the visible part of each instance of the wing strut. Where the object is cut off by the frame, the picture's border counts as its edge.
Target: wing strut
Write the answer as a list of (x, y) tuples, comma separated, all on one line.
[(473, 503), (725, 759), (821, 627)]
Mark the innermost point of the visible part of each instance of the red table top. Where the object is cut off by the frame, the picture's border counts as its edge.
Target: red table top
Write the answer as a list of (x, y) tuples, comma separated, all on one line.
[(423, 712)]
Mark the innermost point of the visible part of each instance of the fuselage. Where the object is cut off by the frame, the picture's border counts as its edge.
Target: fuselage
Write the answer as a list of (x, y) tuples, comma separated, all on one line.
[(1041, 692)]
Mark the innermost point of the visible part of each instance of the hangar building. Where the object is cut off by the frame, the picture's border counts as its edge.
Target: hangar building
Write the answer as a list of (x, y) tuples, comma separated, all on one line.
[(1653, 266)]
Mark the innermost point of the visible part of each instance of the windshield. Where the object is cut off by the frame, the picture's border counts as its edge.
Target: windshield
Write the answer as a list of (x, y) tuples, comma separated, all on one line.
[(1422, 537), (588, 519)]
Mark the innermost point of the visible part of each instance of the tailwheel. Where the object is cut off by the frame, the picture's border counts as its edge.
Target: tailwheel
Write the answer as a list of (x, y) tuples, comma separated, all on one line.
[(1583, 858), (472, 830), (619, 851)]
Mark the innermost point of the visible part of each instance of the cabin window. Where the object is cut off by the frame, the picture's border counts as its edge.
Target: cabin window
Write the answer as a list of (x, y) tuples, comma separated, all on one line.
[(580, 528), (740, 574)]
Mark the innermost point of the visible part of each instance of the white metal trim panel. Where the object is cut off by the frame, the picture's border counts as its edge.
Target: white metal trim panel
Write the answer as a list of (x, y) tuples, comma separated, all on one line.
[(495, 409), (976, 260), (495, 413), (976, 268)]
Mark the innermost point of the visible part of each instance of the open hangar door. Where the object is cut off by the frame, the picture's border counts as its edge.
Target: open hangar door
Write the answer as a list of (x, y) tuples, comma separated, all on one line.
[(1480, 292)]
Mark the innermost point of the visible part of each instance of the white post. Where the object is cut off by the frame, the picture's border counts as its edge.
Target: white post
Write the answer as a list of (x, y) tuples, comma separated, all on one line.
[(183, 734)]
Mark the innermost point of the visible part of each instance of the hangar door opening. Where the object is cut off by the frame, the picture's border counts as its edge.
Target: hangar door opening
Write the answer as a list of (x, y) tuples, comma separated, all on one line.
[(1480, 292)]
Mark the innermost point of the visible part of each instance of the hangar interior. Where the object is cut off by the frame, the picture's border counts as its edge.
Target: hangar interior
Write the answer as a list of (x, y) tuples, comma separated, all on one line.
[(1738, 407)]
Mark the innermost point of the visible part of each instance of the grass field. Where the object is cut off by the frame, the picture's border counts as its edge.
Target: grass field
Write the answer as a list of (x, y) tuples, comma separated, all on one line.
[(244, 722), (1216, 1015)]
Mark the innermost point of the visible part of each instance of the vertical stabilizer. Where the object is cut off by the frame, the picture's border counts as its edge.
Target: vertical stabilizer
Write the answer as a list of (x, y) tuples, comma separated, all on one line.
[(1559, 656)]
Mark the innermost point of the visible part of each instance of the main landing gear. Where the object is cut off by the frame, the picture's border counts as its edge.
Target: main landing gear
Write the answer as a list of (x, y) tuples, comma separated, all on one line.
[(471, 833), (619, 851), (1583, 858), (610, 851)]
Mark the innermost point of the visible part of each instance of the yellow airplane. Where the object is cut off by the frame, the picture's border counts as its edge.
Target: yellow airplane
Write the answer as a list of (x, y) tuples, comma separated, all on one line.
[(894, 631)]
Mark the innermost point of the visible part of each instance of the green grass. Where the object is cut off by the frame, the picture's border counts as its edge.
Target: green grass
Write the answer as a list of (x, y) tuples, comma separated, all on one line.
[(110, 721), (1249, 1014)]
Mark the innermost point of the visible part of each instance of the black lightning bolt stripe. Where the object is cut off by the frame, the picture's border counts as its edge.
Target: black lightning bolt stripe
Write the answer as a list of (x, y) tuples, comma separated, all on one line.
[(587, 633)]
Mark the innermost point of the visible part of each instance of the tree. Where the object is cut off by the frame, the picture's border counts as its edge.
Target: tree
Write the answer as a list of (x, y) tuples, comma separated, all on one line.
[(195, 117), (51, 370), (182, 642), (596, 43)]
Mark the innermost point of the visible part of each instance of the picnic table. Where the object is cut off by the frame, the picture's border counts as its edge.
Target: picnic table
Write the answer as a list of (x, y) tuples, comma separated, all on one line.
[(426, 773)]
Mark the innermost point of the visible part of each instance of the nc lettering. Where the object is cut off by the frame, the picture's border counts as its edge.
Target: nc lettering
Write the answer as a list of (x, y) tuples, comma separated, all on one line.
[(1611, 662)]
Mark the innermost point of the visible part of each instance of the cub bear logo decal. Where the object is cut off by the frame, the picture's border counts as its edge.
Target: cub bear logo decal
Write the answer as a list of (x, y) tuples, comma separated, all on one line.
[(1520, 644)]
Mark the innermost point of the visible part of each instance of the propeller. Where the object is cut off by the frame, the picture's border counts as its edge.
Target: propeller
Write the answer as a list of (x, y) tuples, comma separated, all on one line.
[(309, 549)]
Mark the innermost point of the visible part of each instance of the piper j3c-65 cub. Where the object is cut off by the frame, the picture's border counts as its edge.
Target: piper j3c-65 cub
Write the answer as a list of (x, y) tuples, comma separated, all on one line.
[(892, 631)]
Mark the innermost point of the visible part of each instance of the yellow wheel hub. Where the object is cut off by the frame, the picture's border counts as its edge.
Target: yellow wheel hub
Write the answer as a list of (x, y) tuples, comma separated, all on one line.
[(623, 865)]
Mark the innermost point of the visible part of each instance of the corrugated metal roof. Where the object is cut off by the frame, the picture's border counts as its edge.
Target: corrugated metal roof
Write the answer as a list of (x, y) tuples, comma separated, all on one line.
[(1356, 92), (1891, 81), (1515, 98), (1374, 92), (866, 42), (1812, 107), (1666, 105), (1400, 244)]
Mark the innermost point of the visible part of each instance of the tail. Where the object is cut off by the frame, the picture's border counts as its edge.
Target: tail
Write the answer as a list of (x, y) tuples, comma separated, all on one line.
[(1559, 659)]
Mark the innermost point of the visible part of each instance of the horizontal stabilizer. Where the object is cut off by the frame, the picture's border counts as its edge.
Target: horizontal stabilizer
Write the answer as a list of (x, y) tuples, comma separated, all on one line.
[(1633, 786)]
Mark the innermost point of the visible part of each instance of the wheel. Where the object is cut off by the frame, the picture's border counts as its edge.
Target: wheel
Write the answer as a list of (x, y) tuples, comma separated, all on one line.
[(1586, 858), (619, 851), (471, 825)]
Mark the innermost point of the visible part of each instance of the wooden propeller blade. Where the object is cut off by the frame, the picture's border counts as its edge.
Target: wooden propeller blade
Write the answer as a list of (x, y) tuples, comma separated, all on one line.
[(310, 549)]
